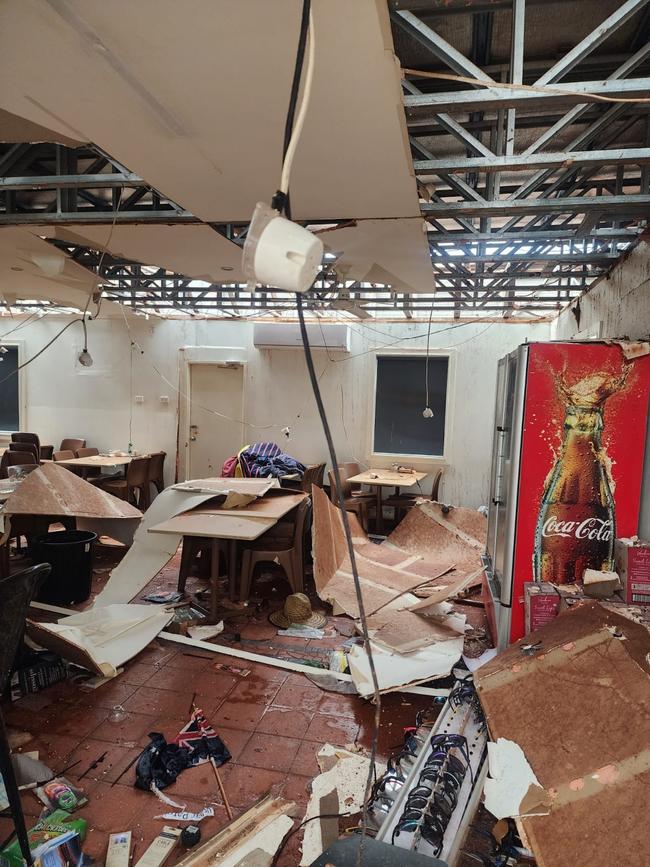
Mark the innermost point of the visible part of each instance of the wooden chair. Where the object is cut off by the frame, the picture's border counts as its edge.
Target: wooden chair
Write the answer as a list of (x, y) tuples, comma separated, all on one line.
[(72, 444), (157, 470), (15, 459), (404, 501), (23, 437), (88, 473), (354, 501), (288, 553), (63, 455), (26, 448), (135, 482), (192, 547), (313, 476)]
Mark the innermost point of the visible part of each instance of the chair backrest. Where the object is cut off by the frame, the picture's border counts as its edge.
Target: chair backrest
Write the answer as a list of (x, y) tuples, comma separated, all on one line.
[(24, 437), (25, 448), (16, 592), (86, 453), (313, 475), (63, 455), (72, 444), (156, 465), (352, 468), (435, 488), (137, 472), (345, 484), (15, 459), (303, 514)]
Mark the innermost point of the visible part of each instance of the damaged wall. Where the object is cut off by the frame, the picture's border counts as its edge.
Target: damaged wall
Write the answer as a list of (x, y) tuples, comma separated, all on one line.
[(618, 306), (64, 399)]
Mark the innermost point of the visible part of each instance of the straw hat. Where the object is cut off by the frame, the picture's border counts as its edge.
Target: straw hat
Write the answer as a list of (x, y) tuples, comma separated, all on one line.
[(297, 609)]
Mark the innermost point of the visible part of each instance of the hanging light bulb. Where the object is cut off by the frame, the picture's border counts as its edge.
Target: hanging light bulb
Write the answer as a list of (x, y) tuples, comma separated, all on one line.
[(84, 357)]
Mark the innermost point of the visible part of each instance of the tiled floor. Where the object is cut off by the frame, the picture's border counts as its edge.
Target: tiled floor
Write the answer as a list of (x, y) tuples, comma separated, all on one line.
[(272, 721)]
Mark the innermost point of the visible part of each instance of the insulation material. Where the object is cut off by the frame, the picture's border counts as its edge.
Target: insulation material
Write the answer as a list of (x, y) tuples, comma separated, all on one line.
[(579, 708), (384, 586), (396, 670), (101, 640), (150, 552), (343, 782)]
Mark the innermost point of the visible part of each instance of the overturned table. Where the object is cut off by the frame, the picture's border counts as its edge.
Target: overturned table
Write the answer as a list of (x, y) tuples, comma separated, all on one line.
[(244, 524)]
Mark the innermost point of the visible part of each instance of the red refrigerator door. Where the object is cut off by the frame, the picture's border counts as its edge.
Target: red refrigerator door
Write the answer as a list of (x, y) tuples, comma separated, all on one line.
[(583, 441)]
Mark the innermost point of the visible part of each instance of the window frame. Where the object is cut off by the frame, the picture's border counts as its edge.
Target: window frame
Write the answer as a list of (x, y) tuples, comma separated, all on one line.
[(22, 403), (419, 460)]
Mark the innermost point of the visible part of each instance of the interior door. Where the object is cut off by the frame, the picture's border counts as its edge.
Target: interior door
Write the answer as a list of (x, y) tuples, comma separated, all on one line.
[(216, 429)]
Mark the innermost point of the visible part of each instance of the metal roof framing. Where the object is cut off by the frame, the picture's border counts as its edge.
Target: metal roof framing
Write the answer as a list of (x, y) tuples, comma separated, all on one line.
[(532, 178)]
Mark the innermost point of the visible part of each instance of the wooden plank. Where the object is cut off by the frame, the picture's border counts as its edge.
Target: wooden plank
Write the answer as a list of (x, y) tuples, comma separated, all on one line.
[(268, 507), (387, 478), (245, 528)]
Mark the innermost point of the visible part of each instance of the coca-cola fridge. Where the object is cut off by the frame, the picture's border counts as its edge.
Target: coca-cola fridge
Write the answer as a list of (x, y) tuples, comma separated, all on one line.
[(569, 447)]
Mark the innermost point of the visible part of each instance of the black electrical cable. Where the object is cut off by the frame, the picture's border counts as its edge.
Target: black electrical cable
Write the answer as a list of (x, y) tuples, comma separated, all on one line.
[(280, 201), (353, 564)]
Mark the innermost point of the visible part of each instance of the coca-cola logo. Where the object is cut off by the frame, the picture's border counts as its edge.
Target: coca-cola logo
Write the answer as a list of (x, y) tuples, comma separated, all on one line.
[(595, 529)]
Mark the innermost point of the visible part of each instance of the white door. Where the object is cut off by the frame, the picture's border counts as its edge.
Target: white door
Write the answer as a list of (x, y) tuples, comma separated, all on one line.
[(214, 438)]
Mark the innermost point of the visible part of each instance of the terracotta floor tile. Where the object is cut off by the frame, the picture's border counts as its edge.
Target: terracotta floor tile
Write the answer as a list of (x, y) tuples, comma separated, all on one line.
[(291, 853), (132, 732), (304, 762), (341, 705), (96, 844), (234, 739), (158, 653), (267, 672), (72, 720), (289, 722), (160, 701), (298, 789), (54, 750), (255, 689), (138, 672), (297, 692), (271, 752), (116, 760), (112, 808), (332, 729), (191, 660), (239, 715), (244, 785), (115, 692)]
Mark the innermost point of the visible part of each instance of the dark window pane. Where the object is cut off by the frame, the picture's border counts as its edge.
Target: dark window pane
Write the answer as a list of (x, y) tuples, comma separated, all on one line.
[(9, 402), (400, 428)]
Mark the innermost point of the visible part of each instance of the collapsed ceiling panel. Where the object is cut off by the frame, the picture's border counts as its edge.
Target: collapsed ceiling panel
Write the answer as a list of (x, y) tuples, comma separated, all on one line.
[(395, 252), (102, 72), (194, 250)]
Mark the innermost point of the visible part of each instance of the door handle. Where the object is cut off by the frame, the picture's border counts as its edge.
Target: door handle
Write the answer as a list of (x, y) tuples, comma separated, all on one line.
[(194, 432)]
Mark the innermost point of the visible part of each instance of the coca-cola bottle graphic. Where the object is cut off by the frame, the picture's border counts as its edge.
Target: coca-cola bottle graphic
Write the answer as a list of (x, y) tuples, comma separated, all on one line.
[(576, 524)]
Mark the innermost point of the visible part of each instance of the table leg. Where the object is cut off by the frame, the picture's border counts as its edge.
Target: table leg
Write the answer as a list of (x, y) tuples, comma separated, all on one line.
[(379, 519), (232, 569), (214, 579)]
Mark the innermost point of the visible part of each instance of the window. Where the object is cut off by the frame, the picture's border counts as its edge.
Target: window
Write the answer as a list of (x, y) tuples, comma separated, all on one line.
[(9, 390), (400, 428)]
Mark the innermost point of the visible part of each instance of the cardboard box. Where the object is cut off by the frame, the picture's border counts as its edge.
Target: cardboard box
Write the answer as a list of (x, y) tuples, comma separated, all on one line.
[(541, 604), (633, 566)]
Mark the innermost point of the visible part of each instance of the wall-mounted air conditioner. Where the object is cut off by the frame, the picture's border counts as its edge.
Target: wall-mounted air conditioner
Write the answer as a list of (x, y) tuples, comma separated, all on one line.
[(286, 335)]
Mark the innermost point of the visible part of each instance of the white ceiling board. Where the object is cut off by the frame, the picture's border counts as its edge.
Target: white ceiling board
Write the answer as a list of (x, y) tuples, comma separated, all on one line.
[(17, 129), (192, 96), (30, 268), (384, 251), (195, 251)]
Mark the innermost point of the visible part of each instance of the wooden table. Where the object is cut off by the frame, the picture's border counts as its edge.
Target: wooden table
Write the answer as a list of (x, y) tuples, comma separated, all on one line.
[(386, 479), (100, 461), (234, 525)]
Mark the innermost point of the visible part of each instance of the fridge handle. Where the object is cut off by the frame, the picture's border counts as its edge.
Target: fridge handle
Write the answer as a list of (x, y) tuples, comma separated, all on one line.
[(497, 500)]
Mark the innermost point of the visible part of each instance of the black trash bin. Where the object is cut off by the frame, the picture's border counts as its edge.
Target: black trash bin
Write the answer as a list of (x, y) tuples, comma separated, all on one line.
[(70, 554)]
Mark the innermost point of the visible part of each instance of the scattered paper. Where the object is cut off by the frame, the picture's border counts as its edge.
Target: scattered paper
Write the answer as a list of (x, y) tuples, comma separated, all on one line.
[(512, 789), (184, 816)]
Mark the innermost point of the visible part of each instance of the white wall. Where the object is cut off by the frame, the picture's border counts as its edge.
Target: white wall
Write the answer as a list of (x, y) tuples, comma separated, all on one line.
[(618, 306), (98, 404)]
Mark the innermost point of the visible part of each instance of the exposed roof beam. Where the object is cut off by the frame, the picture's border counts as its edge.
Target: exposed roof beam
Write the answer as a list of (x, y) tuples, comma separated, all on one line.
[(497, 96), (569, 205), (438, 46), (50, 182), (85, 217), (517, 236), (565, 159), (591, 41)]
